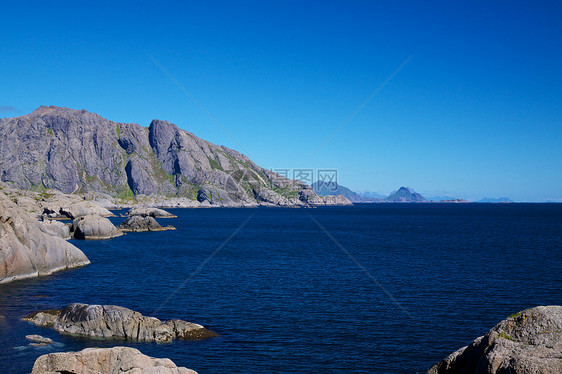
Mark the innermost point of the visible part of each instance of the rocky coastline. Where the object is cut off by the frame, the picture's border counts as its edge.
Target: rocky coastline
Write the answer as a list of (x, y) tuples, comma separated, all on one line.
[(29, 248)]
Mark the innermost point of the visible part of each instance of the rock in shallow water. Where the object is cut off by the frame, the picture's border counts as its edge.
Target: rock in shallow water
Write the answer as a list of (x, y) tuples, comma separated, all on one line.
[(94, 227), (150, 212), (527, 342), (39, 339), (106, 360), (111, 321), (142, 223)]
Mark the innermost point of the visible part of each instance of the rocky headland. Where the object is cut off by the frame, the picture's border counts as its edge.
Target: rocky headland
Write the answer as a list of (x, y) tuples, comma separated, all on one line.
[(111, 321), (525, 343), (106, 360), (29, 248)]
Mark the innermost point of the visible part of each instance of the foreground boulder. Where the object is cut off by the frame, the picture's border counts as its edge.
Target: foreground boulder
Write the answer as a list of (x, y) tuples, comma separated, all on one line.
[(28, 249), (93, 226), (142, 223), (150, 212), (106, 360), (527, 342), (111, 321)]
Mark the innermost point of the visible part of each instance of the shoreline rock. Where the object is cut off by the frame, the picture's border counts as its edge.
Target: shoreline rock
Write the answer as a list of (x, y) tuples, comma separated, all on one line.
[(39, 339), (29, 249), (106, 360), (150, 212), (527, 342), (111, 321), (92, 226), (142, 223)]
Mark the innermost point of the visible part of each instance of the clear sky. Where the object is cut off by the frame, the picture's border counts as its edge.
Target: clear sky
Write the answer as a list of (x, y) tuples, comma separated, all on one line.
[(475, 112)]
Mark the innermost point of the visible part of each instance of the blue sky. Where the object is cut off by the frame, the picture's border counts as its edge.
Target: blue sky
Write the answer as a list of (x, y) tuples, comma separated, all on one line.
[(476, 111)]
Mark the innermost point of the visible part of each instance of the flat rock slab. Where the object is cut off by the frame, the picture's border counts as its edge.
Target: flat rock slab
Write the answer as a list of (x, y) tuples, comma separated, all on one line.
[(106, 360), (39, 339), (111, 321)]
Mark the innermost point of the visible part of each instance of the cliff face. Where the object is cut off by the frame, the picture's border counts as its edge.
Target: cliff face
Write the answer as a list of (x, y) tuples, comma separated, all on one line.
[(28, 249), (78, 151)]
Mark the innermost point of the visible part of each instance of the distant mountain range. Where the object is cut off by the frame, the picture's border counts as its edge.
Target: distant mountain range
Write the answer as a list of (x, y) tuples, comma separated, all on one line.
[(327, 189), (495, 200), (402, 195)]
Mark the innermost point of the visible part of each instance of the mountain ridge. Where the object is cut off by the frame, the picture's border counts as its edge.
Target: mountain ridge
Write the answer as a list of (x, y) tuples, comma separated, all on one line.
[(76, 151)]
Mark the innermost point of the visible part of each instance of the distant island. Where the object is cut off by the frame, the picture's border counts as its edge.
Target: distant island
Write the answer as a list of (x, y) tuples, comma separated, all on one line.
[(495, 200), (402, 195)]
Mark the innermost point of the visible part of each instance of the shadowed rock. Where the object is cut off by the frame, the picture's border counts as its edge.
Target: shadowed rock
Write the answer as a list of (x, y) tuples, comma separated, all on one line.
[(94, 227), (527, 342), (105, 360), (29, 249), (111, 321), (150, 212), (140, 223)]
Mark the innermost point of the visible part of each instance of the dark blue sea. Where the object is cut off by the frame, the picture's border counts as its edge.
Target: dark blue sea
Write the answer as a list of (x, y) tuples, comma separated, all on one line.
[(381, 288)]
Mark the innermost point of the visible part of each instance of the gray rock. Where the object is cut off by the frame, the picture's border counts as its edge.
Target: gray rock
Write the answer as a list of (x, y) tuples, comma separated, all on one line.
[(84, 208), (105, 360), (142, 223), (111, 321), (150, 212), (56, 228), (93, 226), (27, 249), (43, 318), (75, 151), (527, 342), (39, 339)]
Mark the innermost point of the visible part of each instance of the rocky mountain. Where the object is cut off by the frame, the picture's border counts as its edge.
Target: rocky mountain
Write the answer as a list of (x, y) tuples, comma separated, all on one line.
[(75, 151), (326, 189), (405, 195)]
